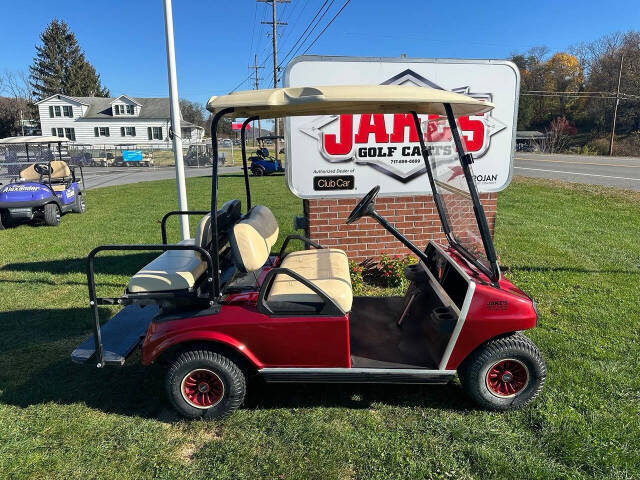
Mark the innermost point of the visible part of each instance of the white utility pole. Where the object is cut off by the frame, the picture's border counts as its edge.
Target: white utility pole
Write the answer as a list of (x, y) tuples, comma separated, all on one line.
[(175, 119)]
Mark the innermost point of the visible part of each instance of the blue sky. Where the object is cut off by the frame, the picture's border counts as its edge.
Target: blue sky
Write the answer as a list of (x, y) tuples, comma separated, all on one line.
[(215, 40)]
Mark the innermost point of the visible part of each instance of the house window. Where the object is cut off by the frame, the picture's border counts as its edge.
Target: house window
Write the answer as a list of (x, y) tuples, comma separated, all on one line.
[(70, 133), (53, 132), (56, 109), (61, 132), (154, 133), (50, 111), (101, 131), (130, 109), (186, 133), (128, 131), (116, 109), (67, 111)]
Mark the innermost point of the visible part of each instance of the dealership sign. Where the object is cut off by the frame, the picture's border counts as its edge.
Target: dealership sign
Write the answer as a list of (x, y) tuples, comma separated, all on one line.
[(347, 155)]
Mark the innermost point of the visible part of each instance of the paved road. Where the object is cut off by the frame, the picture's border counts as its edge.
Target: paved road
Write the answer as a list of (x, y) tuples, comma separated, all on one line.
[(621, 172), (95, 177)]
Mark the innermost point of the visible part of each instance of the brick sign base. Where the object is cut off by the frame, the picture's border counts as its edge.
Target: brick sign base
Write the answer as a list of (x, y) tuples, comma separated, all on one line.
[(415, 217)]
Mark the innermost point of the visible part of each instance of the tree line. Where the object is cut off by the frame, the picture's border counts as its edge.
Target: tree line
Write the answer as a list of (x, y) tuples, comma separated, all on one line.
[(572, 90), (577, 88)]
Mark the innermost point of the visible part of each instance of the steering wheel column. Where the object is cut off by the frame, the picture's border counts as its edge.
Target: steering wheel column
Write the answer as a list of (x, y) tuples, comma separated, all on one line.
[(366, 208)]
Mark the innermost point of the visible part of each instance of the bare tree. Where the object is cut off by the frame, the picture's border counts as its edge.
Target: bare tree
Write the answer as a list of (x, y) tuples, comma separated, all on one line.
[(16, 102)]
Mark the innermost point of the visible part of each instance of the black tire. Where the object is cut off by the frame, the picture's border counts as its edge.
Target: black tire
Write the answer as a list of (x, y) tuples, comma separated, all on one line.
[(51, 215), (257, 172), (3, 220), (217, 369), (79, 206), (504, 373)]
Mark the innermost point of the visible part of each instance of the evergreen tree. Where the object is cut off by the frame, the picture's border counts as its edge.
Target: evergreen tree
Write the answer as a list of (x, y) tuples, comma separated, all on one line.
[(61, 67)]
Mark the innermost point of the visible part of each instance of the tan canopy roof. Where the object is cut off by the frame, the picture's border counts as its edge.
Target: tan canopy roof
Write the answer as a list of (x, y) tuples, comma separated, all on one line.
[(34, 139), (323, 100)]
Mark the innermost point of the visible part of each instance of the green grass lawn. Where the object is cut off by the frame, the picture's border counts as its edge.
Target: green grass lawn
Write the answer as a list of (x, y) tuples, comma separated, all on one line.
[(575, 249)]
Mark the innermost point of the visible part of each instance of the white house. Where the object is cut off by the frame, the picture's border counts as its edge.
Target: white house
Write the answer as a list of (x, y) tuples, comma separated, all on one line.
[(112, 121)]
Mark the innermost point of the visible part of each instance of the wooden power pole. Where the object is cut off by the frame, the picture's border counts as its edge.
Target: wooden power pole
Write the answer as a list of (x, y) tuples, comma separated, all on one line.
[(615, 108), (274, 34), (256, 80)]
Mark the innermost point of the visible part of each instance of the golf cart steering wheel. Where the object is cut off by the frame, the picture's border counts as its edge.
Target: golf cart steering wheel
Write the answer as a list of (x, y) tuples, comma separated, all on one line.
[(364, 206), (42, 168)]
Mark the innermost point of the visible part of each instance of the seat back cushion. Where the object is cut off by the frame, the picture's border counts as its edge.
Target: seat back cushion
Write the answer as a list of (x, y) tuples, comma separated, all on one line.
[(203, 232), (59, 171), (252, 238)]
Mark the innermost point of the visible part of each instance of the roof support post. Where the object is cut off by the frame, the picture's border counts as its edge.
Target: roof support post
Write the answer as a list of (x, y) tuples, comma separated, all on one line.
[(175, 119), (244, 158), (213, 249)]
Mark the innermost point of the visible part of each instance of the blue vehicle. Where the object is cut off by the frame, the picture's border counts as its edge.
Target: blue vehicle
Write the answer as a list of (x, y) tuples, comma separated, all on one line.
[(42, 184), (261, 162)]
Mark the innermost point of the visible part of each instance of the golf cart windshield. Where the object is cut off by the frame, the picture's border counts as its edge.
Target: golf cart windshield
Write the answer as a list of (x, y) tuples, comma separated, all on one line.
[(453, 190)]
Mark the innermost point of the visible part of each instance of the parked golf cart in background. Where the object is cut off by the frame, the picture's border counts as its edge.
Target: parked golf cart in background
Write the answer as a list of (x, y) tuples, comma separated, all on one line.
[(220, 308), (44, 186), (262, 163), (200, 155)]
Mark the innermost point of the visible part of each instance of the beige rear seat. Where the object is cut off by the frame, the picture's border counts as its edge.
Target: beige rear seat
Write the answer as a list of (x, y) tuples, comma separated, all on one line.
[(174, 269), (60, 170)]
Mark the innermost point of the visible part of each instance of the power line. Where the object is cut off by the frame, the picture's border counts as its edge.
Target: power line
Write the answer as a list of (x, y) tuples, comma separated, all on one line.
[(295, 22), (253, 32), (327, 26), (306, 29)]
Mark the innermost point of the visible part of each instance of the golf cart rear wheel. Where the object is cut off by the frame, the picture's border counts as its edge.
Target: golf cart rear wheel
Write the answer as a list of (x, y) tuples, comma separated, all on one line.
[(51, 214), (257, 172), (202, 383), (79, 206), (504, 373)]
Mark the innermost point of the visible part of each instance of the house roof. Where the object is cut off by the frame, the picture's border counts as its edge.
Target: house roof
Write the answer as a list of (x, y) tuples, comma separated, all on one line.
[(100, 107)]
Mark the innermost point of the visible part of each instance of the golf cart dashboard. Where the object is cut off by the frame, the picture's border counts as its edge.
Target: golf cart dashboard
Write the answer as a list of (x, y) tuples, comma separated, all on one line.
[(447, 274)]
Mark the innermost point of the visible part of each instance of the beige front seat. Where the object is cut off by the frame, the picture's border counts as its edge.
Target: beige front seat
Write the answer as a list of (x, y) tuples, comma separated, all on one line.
[(174, 269), (251, 241), (327, 268), (59, 171)]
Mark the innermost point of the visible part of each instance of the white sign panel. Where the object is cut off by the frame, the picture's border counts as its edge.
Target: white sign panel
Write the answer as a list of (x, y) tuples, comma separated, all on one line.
[(347, 155)]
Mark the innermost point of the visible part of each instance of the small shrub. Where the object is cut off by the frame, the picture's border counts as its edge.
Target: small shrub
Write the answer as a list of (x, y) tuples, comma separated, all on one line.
[(391, 269), (356, 270)]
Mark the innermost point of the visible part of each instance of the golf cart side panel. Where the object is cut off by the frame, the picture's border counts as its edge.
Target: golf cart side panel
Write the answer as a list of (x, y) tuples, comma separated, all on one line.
[(33, 193), (492, 312), (266, 341)]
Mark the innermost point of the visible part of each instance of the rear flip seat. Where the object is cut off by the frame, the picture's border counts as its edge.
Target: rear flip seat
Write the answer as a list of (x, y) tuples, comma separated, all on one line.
[(174, 269)]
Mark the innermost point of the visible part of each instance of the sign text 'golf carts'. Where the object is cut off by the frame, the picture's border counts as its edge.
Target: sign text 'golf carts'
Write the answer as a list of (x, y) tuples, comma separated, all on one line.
[(378, 149)]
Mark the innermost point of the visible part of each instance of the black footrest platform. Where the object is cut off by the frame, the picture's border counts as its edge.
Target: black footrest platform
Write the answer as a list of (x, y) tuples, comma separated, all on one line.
[(120, 335)]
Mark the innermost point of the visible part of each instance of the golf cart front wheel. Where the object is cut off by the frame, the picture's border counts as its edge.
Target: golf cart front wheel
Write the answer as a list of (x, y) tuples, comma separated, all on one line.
[(51, 214), (80, 206), (257, 172), (504, 373), (202, 383)]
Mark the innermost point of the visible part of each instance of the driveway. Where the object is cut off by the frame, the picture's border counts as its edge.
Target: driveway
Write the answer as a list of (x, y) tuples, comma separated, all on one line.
[(109, 176), (621, 172)]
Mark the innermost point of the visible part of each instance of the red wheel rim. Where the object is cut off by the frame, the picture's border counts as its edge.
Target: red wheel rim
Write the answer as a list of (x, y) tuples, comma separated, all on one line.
[(202, 388), (507, 377)]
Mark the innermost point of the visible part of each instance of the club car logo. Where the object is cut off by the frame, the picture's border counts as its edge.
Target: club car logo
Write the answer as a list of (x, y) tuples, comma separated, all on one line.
[(388, 143)]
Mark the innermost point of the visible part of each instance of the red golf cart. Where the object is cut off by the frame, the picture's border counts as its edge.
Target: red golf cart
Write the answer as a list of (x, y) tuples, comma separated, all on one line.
[(222, 307)]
